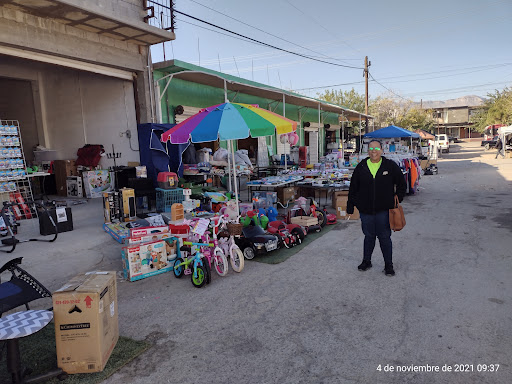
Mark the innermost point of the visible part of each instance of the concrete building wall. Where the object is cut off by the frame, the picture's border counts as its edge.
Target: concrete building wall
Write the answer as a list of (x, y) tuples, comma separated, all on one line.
[(21, 30), (73, 108), (458, 116)]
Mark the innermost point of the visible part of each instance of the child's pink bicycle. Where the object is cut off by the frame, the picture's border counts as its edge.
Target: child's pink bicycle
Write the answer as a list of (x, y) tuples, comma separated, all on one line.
[(230, 249), (220, 261)]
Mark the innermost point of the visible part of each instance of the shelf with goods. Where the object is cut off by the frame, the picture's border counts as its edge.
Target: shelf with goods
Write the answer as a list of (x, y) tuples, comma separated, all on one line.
[(14, 183)]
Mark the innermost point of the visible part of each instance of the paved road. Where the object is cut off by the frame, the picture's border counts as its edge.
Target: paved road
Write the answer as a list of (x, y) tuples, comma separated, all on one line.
[(316, 319)]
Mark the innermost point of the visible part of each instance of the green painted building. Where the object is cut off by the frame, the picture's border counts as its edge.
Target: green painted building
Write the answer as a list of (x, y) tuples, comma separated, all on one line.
[(178, 83)]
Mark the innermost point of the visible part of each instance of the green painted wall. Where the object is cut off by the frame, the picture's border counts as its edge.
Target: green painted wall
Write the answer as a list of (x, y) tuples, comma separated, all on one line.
[(182, 92)]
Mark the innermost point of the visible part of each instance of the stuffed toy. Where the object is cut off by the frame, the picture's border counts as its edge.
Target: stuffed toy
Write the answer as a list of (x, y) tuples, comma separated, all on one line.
[(230, 210), (272, 214)]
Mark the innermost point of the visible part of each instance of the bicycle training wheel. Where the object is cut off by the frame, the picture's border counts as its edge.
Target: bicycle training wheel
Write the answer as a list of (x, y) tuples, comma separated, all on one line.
[(237, 260), (178, 271), (220, 262), (200, 280)]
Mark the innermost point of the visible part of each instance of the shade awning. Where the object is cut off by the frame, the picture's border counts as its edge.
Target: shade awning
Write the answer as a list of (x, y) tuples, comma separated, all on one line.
[(391, 132)]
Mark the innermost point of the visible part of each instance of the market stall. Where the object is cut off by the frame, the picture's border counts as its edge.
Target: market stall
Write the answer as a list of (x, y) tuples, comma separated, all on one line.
[(398, 146), (228, 122)]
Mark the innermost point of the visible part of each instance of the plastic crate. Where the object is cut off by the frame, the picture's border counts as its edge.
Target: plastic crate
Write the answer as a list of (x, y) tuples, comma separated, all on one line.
[(165, 198)]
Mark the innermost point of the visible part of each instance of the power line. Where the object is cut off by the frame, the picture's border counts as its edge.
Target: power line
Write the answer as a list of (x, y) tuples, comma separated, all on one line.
[(266, 44), (322, 26), (261, 30), (480, 68), (386, 87)]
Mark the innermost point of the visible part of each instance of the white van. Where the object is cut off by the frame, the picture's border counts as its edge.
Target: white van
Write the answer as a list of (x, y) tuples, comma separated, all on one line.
[(442, 142)]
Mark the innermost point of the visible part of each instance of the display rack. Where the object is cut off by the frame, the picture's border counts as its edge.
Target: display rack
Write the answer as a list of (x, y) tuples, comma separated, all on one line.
[(15, 187)]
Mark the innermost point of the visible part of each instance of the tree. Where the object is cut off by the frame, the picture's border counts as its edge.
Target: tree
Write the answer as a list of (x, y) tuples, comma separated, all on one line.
[(348, 99), (387, 111), (497, 109)]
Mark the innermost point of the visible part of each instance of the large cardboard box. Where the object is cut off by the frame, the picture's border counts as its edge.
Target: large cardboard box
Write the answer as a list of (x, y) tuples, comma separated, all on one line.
[(62, 169), (286, 193), (341, 209), (337, 194), (86, 323)]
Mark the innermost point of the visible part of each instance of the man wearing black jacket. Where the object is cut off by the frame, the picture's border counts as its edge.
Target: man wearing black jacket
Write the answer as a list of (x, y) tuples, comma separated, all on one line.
[(373, 186)]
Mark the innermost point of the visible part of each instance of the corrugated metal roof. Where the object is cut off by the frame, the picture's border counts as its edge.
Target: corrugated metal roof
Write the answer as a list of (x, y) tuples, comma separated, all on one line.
[(193, 73)]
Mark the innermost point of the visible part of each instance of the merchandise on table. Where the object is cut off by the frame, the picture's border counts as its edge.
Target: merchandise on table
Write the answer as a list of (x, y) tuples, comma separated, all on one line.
[(275, 180)]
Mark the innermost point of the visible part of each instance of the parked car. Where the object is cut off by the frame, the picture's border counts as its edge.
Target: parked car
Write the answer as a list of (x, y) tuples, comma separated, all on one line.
[(488, 144), (442, 142)]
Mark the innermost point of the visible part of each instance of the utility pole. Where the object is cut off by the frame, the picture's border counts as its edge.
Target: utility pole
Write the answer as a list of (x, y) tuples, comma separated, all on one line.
[(366, 65)]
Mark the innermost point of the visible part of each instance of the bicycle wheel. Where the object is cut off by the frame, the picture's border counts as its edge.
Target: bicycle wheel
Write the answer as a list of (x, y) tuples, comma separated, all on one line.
[(237, 259), (220, 262), (178, 271), (208, 270), (200, 280)]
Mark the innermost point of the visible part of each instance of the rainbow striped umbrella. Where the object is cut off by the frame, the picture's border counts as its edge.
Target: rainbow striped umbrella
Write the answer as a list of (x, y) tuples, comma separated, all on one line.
[(228, 121)]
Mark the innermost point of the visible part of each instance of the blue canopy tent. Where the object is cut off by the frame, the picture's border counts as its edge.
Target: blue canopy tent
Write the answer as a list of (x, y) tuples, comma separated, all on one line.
[(158, 156), (391, 132)]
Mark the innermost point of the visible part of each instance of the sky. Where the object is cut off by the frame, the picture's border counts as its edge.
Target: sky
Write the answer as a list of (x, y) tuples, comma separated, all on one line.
[(418, 50)]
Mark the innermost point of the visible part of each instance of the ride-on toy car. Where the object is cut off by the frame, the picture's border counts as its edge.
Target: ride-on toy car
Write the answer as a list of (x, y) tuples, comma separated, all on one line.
[(290, 235), (255, 241)]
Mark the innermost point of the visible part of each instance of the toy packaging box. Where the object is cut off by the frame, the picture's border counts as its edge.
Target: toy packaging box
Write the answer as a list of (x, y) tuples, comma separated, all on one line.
[(149, 238), (148, 259), (128, 205), (118, 231), (148, 231), (86, 322), (74, 186), (97, 182)]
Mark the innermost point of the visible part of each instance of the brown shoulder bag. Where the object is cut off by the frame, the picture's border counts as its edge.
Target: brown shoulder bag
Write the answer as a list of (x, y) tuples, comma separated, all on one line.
[(396, 216)]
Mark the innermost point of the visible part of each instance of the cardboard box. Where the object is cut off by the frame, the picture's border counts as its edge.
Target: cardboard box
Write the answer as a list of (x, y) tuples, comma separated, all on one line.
[(86, 323), (148, 259), (424, 163), (118, 231), (97, 182), (341, 213), (337, 194), (128, 206), (74, 186), (286, 193), (111, 207), (62, 169)]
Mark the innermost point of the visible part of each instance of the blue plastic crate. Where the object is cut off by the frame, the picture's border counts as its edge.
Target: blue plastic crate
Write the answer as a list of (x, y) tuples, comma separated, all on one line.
[(165, 198)]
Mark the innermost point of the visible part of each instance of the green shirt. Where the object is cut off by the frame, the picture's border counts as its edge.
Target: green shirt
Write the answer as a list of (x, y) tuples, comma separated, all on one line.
[(374, 167)]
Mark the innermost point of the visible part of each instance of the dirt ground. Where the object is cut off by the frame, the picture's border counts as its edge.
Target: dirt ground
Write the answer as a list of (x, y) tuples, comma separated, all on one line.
[(315, 318)]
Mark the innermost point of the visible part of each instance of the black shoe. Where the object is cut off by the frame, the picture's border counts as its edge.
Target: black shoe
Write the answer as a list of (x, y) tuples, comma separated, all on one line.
[(389, 271), (364, 265)]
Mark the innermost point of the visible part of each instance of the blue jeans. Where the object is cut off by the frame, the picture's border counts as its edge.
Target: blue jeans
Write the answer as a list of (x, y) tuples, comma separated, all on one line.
[(377, 226)]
